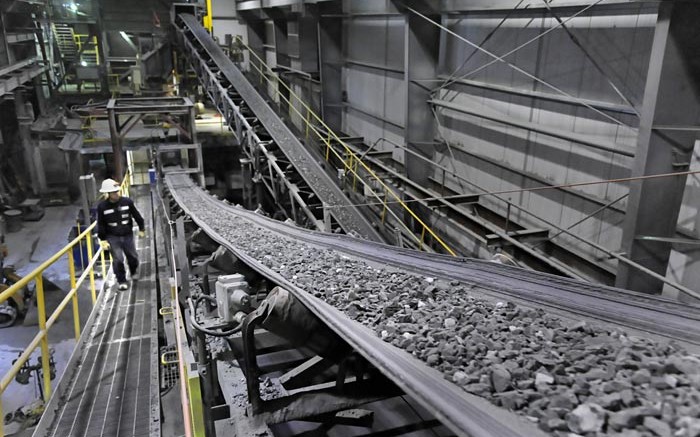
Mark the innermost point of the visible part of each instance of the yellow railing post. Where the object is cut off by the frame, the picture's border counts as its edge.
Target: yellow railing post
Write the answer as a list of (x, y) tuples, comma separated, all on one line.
[(104, 267), (92, 271), (383, 215), (76, 312), (45, 362)]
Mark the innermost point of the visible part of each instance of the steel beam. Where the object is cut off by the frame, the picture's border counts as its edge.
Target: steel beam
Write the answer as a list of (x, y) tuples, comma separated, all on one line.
[(283, 60), (671, 97), (308, 40), (32, 154), (603, 106), (330, 49), (585, 140), (421, 52)]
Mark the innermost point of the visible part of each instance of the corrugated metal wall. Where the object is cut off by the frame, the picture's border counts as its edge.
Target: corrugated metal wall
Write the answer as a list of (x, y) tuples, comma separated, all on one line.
[(494, 154), (497, 156)]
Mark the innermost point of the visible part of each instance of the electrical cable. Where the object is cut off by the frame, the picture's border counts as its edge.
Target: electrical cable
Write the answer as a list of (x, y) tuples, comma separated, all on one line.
[(200, 328)]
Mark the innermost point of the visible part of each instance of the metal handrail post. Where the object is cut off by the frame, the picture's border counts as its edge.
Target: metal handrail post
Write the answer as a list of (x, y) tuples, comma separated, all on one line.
[(92, 271), (76, 311), (45, 363)]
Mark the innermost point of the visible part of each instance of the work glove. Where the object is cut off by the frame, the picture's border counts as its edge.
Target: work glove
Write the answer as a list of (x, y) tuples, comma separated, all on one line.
[(104, 244), (142, 234)]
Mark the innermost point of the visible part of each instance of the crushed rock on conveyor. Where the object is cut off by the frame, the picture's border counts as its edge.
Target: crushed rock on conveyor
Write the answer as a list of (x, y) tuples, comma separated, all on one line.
[(567, 377)]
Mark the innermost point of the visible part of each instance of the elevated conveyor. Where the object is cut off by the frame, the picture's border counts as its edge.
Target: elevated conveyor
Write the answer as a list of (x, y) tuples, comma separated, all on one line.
[(110, 386), (221, 77)]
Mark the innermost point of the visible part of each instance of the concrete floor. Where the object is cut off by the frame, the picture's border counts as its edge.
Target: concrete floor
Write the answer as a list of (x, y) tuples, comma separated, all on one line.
[(35, 243)]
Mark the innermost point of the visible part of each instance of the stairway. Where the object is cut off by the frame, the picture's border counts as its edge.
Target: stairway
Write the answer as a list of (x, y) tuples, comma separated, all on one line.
[(65, 39)]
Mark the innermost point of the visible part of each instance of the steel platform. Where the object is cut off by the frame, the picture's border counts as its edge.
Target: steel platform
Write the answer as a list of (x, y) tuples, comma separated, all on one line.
[(110, 386)]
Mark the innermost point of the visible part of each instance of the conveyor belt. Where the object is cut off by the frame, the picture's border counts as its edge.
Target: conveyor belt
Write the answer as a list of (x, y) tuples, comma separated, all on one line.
[(350, 218), (110, 387), (615, 306), (457, 410)]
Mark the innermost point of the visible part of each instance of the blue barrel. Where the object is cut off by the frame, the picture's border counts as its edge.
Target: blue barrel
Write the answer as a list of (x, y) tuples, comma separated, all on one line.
[(13, 220), (152, 175), (80, 252)]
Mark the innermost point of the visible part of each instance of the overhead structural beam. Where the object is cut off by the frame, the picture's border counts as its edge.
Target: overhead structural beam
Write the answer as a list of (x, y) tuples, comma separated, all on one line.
[(671, 97), (607, 146)]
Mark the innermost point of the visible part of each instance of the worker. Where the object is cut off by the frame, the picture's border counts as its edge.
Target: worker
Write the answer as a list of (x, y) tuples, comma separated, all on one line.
[(115, 230)]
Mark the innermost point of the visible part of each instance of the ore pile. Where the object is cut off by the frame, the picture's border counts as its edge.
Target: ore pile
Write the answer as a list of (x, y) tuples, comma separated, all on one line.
[(567, 377)]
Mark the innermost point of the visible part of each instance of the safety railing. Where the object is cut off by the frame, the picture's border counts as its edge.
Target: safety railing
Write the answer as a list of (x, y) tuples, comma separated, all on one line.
[(351, 162), (82, 39), (190, 393), (41, 339)]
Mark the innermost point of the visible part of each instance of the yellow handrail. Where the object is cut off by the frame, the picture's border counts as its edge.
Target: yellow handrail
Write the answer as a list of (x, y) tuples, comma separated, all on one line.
[(41, 338), (353, 160)]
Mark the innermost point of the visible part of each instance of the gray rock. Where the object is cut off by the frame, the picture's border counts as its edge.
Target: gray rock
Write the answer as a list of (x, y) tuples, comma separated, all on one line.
[(690, 426), (586, 418), (566, 400), (611, 401), (500, 378), (512, 400), (664, 382), (460, 378), (450, 323), (640, 377), (596, 373), (631, 417), (543, 378), (659, 428)]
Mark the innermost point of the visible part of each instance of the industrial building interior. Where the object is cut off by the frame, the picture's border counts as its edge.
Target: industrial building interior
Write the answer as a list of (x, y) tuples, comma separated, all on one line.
[(361, 218)]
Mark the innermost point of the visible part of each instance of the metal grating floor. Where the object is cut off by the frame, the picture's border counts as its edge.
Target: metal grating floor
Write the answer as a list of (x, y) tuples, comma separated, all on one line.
[(112, 387)]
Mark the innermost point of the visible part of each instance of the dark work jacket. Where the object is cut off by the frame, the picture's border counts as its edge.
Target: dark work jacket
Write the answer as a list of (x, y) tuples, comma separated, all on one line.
[(116, 218)]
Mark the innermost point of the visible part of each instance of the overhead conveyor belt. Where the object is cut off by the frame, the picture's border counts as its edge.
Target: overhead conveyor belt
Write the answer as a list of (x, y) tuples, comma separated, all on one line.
[(222, 76)]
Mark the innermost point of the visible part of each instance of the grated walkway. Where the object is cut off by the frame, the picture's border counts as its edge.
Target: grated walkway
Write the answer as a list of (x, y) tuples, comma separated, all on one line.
[(111, 387)]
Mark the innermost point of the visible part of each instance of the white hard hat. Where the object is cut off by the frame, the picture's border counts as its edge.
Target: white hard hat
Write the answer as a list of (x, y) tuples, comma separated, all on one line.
[(109, 186)]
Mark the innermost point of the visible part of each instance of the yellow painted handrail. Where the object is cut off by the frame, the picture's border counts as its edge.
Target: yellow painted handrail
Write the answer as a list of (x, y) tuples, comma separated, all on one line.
[(41, 338), (352, 162), (36, 275)]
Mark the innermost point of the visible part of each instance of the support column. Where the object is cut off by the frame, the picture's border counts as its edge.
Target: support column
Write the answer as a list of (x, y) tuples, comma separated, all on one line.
[(671, 99), (282, 59), (32, 155), (256, 41), (330, 48), (421, 53), (192, 127), (308, 40), (116, 138)]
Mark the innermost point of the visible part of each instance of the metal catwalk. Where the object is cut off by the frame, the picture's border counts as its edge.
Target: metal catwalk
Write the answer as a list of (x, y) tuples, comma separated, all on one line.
[(110, 387)]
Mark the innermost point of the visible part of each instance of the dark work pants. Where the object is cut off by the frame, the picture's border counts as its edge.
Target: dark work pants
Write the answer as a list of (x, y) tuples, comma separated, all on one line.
[(119, 247)]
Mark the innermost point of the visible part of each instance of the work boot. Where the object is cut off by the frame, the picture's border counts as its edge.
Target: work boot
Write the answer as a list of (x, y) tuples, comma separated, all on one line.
[(123, 286)]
